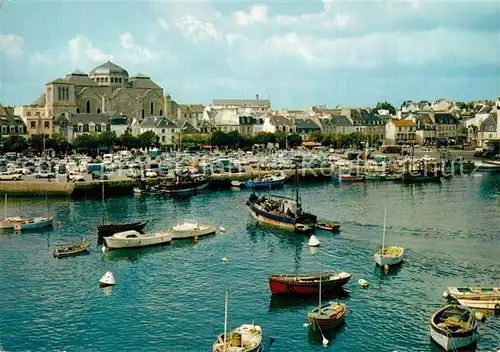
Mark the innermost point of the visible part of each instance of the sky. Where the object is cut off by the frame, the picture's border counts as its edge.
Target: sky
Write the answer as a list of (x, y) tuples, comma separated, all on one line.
[(296, 53)]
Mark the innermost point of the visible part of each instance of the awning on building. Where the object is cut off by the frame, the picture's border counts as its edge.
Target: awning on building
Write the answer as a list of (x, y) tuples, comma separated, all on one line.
[(311, 144), (442, 140)]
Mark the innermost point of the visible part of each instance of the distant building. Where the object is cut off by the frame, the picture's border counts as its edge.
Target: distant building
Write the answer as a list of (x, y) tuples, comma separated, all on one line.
[(72, 126), (248, 105), (167, 130), (306, 127), (11, 124), (400, 132)]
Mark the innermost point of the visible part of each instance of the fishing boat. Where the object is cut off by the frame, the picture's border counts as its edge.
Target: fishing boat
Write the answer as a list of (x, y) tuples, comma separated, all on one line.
[(34, 223), (280, 211), (190, 229), (307, 283), (269, 181), (372, 176), (326, 316), (348, 178), (186, 183), (328, 226), (134, 239), (453, 327), (72, 250), (422, 176), (246, 338), (390, 255), (393, 177), (466, 292)]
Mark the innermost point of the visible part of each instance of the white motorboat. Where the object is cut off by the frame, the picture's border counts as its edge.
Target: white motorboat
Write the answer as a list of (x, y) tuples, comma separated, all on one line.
[(134, 239), (190, 229), (390, 255), (453, 327)]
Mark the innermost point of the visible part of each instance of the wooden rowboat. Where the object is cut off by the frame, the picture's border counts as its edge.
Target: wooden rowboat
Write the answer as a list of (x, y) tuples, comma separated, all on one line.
[(327, 317), (72, 250), (301, 228), (454, 327), (328, 226)]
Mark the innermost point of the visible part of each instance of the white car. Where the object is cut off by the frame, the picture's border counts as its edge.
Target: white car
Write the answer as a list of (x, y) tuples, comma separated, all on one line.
[(76, 177), (150, 173), (12, 176)]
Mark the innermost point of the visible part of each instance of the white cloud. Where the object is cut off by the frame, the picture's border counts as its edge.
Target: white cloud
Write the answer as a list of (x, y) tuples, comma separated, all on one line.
[(258, 13), (196, 29), (135, 53), (82, 48), (320, 19), (327, 4), (11, 45)]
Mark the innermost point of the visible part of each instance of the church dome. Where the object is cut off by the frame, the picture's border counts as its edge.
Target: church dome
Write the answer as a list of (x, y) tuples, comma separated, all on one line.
[(108, 68)]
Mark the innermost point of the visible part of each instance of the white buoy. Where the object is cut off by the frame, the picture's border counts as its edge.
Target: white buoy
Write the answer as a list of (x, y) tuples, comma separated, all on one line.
[(313, 241), (325, 342), (363, 283), (222, 229), (224, 260), (107, 279)]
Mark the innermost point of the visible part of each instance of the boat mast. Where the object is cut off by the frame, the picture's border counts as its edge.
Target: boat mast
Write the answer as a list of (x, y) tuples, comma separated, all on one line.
[(225, 319), (320, 279), (102, 191), (383, 233), (297, 184), (5, 207)]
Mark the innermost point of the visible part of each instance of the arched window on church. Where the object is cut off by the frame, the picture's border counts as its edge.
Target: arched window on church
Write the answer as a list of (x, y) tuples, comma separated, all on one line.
[(152, 108), (77, 110), (98, 110), (59, 95), (142, 113), (161, 112), (105, 79), (88, 106)]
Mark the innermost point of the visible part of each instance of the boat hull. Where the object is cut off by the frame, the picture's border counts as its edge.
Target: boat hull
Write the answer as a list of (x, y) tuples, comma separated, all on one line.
[(187, 187), (111, 229), (450, 343), (35, 225), (480, 303), (265, 184), (118, 243), (348, 179), (60, 253), (282, 285), (179, 235), (383, 260), (323, 323)]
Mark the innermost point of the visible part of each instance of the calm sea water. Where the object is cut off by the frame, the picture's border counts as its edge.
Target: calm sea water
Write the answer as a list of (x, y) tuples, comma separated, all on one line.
[(172, 298)]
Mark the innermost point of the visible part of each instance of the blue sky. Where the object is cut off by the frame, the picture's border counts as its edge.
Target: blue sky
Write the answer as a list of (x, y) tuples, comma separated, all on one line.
[(295, 53)]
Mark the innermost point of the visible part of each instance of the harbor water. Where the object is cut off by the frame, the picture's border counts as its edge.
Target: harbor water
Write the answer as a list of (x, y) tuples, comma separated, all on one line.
[(171, 298)]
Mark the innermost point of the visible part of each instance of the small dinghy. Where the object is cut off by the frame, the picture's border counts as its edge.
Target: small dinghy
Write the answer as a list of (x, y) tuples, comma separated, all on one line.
[(327, 317), (313, 241), (72, 250), (237, 184), (454, 327), (190, 229), (301, 228), (363, 283), (328, 226)]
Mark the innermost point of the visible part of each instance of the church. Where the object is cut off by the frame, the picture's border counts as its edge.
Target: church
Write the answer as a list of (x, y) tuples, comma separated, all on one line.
[(106, 88)]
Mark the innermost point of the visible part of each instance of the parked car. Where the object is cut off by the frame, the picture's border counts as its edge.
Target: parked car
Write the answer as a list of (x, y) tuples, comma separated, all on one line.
[(150, 173), (12, 176), (133, 173), (76, 177), (45, 174)]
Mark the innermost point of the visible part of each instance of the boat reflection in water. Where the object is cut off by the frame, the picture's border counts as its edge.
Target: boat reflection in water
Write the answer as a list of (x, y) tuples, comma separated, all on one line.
[(315, 338), (134, 254), (297, 302)]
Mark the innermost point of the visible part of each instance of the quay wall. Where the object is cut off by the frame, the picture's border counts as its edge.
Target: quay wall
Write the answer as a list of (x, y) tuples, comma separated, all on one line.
[(124, 186)]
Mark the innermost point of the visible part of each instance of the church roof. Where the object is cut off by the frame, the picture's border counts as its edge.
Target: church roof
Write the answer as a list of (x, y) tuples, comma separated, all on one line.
[(59, 80), (40, 101), (141, 75), (80, 79), (108, 68), (78, 73), (143, 82)]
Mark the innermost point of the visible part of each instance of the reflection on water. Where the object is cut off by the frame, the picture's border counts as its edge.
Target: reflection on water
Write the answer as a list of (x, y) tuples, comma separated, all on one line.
[(296, 302), (133, 254), (315, 337)]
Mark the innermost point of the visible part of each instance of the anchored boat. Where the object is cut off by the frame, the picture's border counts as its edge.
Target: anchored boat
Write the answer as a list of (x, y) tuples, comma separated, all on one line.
[(453, 327), (134, 239), (72, 250), (269, 181), (391, 255), (190, 229), (307, 283), (246, 338), (35, 223)]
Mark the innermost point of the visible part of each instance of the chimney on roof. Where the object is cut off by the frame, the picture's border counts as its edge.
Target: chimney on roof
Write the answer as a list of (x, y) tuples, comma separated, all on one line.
[(257, 96)]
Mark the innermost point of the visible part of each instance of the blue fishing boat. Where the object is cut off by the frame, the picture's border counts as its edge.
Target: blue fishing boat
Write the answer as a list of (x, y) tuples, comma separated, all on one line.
[(269, 181), (35, 223), (281, 211)]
